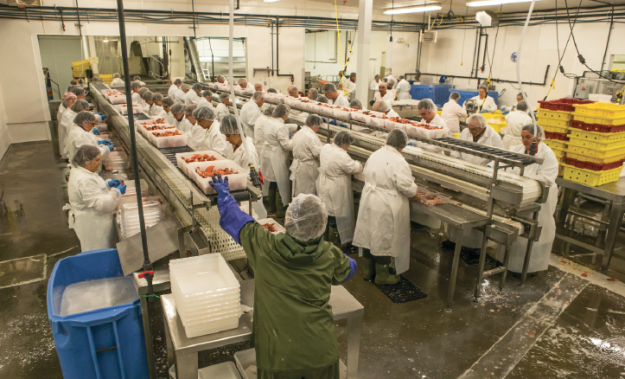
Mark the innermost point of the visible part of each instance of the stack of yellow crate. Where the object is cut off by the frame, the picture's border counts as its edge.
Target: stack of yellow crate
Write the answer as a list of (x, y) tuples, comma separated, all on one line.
[(496, 120), (79, 68)]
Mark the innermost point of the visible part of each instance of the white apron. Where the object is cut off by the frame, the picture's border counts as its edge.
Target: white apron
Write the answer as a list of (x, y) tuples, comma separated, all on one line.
[(94, 229), (277, 157), (337, 190), (304, 175)]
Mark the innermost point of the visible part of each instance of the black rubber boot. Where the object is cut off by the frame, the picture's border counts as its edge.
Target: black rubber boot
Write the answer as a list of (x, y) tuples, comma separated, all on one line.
[(280, 208), (271, 201), (369, 271)]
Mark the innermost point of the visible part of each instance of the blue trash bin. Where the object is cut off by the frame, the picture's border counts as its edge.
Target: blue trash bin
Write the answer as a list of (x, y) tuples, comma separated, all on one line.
[(105, 343), (466, 95)]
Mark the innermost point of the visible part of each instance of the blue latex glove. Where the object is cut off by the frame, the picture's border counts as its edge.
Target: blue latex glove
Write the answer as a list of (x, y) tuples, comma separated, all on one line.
[(114, 183), (333, 122), (104, 142), (352, 265), (323, 119), (233, 219), (122, 188), (411, 143), (101, 115), (95, 131), (111, 147), (484, 111), (343, 125), (506, 112)]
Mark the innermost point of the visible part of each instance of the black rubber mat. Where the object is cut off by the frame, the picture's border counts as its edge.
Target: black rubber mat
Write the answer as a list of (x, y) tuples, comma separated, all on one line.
[(402, 292)]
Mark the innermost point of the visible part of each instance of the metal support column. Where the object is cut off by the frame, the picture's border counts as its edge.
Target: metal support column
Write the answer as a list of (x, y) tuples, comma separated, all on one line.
[(364, 49)]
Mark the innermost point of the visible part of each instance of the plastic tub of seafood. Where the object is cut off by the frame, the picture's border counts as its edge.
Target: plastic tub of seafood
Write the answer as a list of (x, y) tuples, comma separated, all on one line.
[(341, 113), (163, 139), (376, 119), (123, 108), (237, 181), (272, 226), (188, 161)]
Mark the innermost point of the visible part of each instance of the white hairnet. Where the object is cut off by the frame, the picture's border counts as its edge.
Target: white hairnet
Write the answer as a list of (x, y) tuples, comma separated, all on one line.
[(329, 87), (223, 96), (78, 91), (207, 93), (177, 81), (381, 106), (257, 96), (314, 93), (454, 96), (136, 77), (343, 138), (85, 154), (220, 77), (539, 130), (204, 113), (74, 83), (355, 103), (484, 88), (84, 117), (177, 108), (427, 104), (306, 218), (188, 110), (272, 90), (134, 85), (143, 90), (197, 87), (322, 99), (269, 111), (185, 87), (68, 96), (148, 96), (313, 120), (157, 97), (397, 138), (168, 101), (479, 118), (281, 111), (116, 76), (80, 105), (522, 106), (228, 125)]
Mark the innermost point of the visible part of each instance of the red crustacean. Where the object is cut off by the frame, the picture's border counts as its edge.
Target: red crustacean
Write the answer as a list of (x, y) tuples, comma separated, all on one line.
[(200, 158), (160, 120), (270, 227), (167, 134), (210, 171), (159, 127)]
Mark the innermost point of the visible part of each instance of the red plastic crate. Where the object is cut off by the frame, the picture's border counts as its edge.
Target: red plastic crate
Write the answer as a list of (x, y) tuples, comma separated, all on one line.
[(556, 136), (598, 127), (565, 105), (593, 166)]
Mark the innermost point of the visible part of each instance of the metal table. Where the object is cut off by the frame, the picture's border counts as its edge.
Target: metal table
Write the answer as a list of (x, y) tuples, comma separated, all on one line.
[(613, 196), (184, 351)]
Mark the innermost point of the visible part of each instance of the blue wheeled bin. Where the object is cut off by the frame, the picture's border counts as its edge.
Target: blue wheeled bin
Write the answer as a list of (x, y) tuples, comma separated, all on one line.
[(466, 95), (439, 93), (105, 343)]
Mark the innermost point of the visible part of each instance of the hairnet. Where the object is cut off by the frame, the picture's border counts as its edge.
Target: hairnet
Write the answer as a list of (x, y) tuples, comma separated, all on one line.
[(521, 94), (242, 80), (148, 96), (168, 101), (484, 88), (397, 138), (322, 99), (355, 103), (68, 96), (82, 117), (381, 106), (85, 154), (223, 96), (272, 90), (228, 125), (480, 119), (281, 111), (314, 93), (188, 110), (136, 77), (343, 138), (269, 111), (391, 82), (539, 130), (401, 77), (306, 218), (157, 97), (73, 83), (388, 73), (313, 120), (376, 76), (352, 74), (78, 91), (96, 79), (522, 106), (177, 108), (134, 85), (454, 96), (143, 90), (204, 113), (221, 77), (207, 93), (116, 76), (329, 87), (257, 96), (294, 89), (80, 105), (197, 87), (177, 81), (427, 104), (185, 87)]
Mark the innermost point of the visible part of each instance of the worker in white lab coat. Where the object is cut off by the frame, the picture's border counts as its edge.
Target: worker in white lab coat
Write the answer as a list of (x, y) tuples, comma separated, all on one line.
[(375, 83), (193, 96), (196, 134), (293, 91), (148, 101), (189, 121), (334, 187), (68, 100), (306, 150), (92, 201), (390, 79), (80, 134), (384, 93), (357, 104), (250, 112), (515, 121), (165, 114), (258, 87), (137, 78), (243, 154), (480, 132), (68, 121), (275, 161), (136, 97), (222, 80), (212, 138), (350, 85), (313, 94), (174, 88), (334, 97), (205, 99), (484, 102), (403, 89), (383, 226), (181, 93), (222, 108), (452, 112), (177, 112), (142, 103), (547, 172), (259, 139), (519, 98), (117, 81), (384, 107)]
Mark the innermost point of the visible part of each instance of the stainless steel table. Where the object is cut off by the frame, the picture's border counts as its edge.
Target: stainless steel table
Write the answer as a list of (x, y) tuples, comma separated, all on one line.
[(184, 351), (613, 196)]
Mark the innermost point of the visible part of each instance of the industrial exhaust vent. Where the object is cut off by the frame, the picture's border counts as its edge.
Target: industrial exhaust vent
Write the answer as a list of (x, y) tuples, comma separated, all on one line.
[(25, 2), (428, 36)]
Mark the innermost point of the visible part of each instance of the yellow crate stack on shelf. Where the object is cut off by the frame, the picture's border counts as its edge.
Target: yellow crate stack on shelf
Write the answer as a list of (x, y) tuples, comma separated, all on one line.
[(79, 68), (556, 125)]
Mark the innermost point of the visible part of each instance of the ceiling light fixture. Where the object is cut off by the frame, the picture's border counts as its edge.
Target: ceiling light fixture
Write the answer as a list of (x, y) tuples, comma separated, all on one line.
[(105, 41), (270, 1), (428, 8), (486, 3)]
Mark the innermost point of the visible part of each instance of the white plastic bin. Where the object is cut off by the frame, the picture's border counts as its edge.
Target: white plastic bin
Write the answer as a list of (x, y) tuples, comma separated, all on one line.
[(203, 275), (164, 142), (226, 370), (236, 181), (184, 166), (246, 363), (279, 228)]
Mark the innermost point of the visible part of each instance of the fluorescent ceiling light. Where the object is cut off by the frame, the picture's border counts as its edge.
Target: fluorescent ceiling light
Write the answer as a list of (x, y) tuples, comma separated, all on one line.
[(427, 8), (105, 40), (270, 1), (486, 3)]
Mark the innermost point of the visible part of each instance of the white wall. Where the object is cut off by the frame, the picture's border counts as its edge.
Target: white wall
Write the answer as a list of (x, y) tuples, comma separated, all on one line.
[(56, 53), (5, 139)]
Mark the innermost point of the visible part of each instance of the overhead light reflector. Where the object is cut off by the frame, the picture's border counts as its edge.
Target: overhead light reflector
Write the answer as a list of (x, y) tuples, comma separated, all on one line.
[(428, 8), (105, 41), (486, 3), (270, 1)]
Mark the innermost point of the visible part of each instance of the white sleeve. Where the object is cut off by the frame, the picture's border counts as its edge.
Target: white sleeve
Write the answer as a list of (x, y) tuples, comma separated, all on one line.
[(405, 182), (460, 111), (218, 144), (349, 165), (283, 138), (548, 170), (316, 147), (94, 198), (490, 104)]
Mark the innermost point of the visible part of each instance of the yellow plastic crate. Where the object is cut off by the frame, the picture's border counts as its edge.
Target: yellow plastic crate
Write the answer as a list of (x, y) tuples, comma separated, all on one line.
[(497, 127), (597, 137), (558, 115), (590, 177), (593, 153), (555, 122), (82, 63), (560, 153), (604, 110), (598, 120), (555, 129), (555, 144), (456, 135), (586, 158), (106, 78), (595, 145)]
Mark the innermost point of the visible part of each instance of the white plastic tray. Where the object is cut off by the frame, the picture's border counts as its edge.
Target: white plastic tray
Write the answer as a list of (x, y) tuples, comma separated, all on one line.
[(184, 166), (279, 228), (226, 370), (244, 359), (236, 182), (205, 274), (163, 142)]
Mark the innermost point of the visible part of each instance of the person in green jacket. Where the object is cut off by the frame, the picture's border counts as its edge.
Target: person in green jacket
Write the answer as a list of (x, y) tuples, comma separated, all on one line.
[(294, 331)]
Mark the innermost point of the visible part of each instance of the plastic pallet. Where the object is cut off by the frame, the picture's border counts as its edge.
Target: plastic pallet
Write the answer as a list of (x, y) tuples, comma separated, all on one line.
[(593, 153), (598, 120), (558, 152), (555, 129), (597, 127), (593, 166), (556, 136), (597, 137), (565, 105), (554, 122), (603, 110), (591, 178)]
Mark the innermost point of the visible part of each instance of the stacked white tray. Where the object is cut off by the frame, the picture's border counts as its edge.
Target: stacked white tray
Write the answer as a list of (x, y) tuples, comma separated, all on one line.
[(207, 294), (128, 217)]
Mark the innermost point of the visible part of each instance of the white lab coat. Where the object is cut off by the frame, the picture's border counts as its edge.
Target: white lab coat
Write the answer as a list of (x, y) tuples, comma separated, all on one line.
[(489, 104), (64, 127), (451, 114), (180, 125), (305, 166), (185, 125), (383, 224), (488, 138), (221, 110), (169, 118), (340, 101), (77, 137), (202, 102), (374, 86), (250, 112), (172, 91), (191, 98), (196, 137), (388, 96), (259, 141), (334, 188), (136, 98), (216, 141), (180, 94), (244, 158), (60, 111), (515, 120), (276, 157), (403, 90), (546, 172), (349, 86), (392, 113), (92, 209), (391, 77), (117, 82), (155, 110)]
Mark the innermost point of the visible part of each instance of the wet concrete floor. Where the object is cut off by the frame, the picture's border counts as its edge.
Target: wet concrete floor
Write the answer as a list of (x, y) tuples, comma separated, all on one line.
[(557, 325)]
